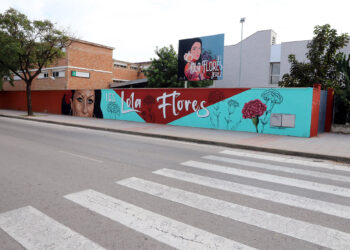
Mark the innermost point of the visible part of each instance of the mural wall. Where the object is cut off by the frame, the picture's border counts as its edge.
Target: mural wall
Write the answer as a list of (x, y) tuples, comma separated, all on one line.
[(265, 111), (280, 111)]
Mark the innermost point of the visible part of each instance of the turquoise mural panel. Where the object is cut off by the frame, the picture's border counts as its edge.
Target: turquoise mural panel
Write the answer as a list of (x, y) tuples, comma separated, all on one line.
[(228, 115), (113, 108)]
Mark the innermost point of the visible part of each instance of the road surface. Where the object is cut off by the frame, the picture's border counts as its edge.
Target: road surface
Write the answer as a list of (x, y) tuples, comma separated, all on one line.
[(73, 188)]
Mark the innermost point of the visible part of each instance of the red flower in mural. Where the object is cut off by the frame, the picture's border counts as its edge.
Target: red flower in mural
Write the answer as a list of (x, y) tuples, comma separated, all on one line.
[(253, 110), (149, 100), (148, 114)]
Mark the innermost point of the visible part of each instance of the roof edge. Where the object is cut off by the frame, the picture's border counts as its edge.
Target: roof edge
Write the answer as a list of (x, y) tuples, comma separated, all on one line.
[(91, 43)]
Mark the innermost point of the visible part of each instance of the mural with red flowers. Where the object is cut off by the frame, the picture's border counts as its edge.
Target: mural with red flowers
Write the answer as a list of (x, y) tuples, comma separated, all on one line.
[(250, 110)]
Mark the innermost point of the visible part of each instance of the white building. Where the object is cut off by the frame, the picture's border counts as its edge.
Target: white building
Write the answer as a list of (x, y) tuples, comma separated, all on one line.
[(263, 61)]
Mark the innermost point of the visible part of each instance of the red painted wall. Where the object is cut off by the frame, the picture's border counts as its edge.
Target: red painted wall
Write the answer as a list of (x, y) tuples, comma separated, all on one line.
[(315, 109), (42, 101)]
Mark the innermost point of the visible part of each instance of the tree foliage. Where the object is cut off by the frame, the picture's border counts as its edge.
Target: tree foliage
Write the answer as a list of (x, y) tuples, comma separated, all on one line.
[(163, 71), (321, 67), (27, 46)]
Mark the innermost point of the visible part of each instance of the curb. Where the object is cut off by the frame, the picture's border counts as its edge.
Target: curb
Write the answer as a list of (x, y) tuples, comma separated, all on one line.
[(199, 141)]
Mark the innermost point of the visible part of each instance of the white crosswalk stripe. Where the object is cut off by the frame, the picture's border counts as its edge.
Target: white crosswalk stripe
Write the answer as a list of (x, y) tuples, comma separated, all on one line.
[(316, 234), (313, 173), (161, 228), (331, 189), (261, 193), (287, 160), (35, 230)]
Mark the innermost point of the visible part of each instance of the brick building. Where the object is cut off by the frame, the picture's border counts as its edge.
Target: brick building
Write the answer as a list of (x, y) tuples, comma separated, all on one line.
[(124, 72), (86, 65)]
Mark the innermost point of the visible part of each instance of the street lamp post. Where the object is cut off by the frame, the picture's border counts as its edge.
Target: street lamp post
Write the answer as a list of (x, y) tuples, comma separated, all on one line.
[(240, 56)]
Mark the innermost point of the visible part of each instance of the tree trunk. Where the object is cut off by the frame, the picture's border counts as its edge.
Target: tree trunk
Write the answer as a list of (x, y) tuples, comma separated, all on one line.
[(29, 98)]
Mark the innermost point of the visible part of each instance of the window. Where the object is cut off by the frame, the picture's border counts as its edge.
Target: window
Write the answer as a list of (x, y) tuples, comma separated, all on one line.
[(120, 65), (275, 73), (134, 67), (58, 74), (273, 42), (144, 68), (43, 75), (119, 80)]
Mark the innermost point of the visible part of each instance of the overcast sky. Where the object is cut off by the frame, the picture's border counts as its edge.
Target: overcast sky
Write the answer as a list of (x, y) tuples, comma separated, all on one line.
[(136, 27)]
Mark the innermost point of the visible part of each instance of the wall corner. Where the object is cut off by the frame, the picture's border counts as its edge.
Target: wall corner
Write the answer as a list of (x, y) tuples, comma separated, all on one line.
[(316, 96)]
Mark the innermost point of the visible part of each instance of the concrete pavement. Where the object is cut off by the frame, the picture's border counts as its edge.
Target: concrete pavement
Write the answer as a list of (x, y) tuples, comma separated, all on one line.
[(328, 146)]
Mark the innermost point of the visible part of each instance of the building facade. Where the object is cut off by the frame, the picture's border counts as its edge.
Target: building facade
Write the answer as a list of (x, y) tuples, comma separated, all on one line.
[(85, 65), (263, 61), (126, 72)]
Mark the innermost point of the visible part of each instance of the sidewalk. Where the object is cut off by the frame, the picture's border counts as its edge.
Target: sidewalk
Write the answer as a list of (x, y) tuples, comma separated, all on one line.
[(327, 146)]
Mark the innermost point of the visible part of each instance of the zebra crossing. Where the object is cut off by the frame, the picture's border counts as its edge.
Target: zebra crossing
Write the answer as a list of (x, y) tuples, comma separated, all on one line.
[(35, 230), (166, 230)]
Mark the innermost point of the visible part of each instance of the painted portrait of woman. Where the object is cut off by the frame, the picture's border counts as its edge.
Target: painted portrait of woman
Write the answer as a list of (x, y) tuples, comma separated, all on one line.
[(190, 66), (82, 103), (201, 58)]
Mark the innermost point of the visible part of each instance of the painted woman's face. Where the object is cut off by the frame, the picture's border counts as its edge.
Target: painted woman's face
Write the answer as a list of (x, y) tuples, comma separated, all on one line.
[(196, 50), (82, 103)]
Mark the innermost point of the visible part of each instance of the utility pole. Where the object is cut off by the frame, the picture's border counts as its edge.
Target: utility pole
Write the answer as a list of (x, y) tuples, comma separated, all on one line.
[(240, 56)]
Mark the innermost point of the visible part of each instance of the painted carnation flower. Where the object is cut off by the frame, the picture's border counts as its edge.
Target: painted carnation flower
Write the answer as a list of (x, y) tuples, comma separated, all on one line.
[(253, 110)]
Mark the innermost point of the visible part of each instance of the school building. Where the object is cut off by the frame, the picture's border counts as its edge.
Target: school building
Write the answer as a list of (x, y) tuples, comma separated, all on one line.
[(126, 74), (86, 65)]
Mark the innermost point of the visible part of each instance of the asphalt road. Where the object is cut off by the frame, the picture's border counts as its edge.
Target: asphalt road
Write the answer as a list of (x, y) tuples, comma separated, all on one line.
[(72, 188)]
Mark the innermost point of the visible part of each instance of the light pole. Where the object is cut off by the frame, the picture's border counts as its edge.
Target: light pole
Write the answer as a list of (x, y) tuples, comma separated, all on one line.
[(240, 54)]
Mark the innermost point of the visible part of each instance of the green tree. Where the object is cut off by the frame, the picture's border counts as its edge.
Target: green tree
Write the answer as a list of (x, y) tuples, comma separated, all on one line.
[(321, 66), (163, 71), (5, 73), (27, 46)]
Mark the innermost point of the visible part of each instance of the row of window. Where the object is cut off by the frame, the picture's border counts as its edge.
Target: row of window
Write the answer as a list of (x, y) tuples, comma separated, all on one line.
[(124, 66), (119, 81), (55, 74), (274, 73), (120, 66)]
